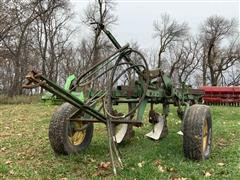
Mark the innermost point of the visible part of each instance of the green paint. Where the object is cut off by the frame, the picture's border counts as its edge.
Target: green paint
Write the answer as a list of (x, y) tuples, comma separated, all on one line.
[(69, 81)]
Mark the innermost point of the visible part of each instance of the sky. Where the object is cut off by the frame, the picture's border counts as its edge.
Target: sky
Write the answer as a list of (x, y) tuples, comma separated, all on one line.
[(136, 17)]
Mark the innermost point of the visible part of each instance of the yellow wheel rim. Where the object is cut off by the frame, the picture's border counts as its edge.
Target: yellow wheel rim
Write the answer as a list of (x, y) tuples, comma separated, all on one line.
[(205, 136), (77, 137)]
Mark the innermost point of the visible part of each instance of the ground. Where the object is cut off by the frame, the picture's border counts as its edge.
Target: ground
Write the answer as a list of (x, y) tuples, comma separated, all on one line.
[(25, 151)]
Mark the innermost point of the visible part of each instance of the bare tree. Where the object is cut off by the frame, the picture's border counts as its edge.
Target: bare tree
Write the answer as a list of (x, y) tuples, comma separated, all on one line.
[(17, 38), (100, 11), (168, 32), (14, 41), (52, 34), (184, 59), (215, 32), (190, 60)]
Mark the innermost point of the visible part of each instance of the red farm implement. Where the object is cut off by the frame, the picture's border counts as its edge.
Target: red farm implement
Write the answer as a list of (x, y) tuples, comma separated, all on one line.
[(215, 95)]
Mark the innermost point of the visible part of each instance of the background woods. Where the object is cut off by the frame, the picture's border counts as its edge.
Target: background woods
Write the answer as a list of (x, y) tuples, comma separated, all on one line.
[(39, 34)]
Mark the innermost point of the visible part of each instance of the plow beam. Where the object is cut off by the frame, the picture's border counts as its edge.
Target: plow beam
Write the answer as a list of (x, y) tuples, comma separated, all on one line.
[(35, 80)]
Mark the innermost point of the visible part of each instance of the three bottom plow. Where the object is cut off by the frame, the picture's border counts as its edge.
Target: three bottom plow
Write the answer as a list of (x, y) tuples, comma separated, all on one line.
[(121, 105)]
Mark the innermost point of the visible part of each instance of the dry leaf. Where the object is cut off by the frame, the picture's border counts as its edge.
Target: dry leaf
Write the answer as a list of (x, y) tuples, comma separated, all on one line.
[(140, 164), (64, 178), (160, 168), (8, 162), (171, 170), (104, 165), (207, 174), (220, 164), (11, 172), (92, 160), (157, 162), (3, 149)]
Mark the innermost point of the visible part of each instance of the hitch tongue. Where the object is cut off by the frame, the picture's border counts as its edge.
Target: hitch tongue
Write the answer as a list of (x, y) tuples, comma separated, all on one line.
[(32, 80)]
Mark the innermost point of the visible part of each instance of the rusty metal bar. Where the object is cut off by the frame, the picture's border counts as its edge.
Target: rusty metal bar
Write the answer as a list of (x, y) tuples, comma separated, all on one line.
[(137, 123), (50, 86)]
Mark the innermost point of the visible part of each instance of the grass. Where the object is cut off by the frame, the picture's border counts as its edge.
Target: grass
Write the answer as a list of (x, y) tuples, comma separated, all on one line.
[(25, 152), (21, 99)]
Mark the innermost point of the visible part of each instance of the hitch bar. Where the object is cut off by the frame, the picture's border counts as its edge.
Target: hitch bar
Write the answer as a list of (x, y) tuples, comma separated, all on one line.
[(35, 80)]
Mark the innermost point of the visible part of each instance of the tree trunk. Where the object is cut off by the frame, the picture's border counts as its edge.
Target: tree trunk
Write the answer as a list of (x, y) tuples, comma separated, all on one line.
[(204, 72), (15, 88)]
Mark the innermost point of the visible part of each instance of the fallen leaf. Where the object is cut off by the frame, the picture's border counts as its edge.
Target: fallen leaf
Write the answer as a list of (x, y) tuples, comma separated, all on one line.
[(8, 162), (92, 160), (157, 162), (64, 178), (140, 164), (104, 165), (3, 149), (207, 174), (11, 172), (160, 168), (220, 164), (171, 170)]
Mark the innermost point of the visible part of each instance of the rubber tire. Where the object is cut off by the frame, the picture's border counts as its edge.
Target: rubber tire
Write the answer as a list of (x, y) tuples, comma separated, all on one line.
[(58, 132), (193, 123)]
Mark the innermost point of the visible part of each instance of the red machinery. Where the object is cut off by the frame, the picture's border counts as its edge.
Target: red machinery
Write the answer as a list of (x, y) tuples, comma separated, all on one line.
[(221, 95)]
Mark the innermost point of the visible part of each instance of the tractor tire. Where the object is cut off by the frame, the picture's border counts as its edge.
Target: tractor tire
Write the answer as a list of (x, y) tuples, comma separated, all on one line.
[(63, 138), (197, 132)]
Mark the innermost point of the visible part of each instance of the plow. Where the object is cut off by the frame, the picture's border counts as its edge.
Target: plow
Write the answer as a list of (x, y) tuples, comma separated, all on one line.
[(121, 104)]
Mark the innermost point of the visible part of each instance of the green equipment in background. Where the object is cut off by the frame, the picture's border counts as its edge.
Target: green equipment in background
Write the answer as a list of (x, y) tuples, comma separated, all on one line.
[(48, 97)]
